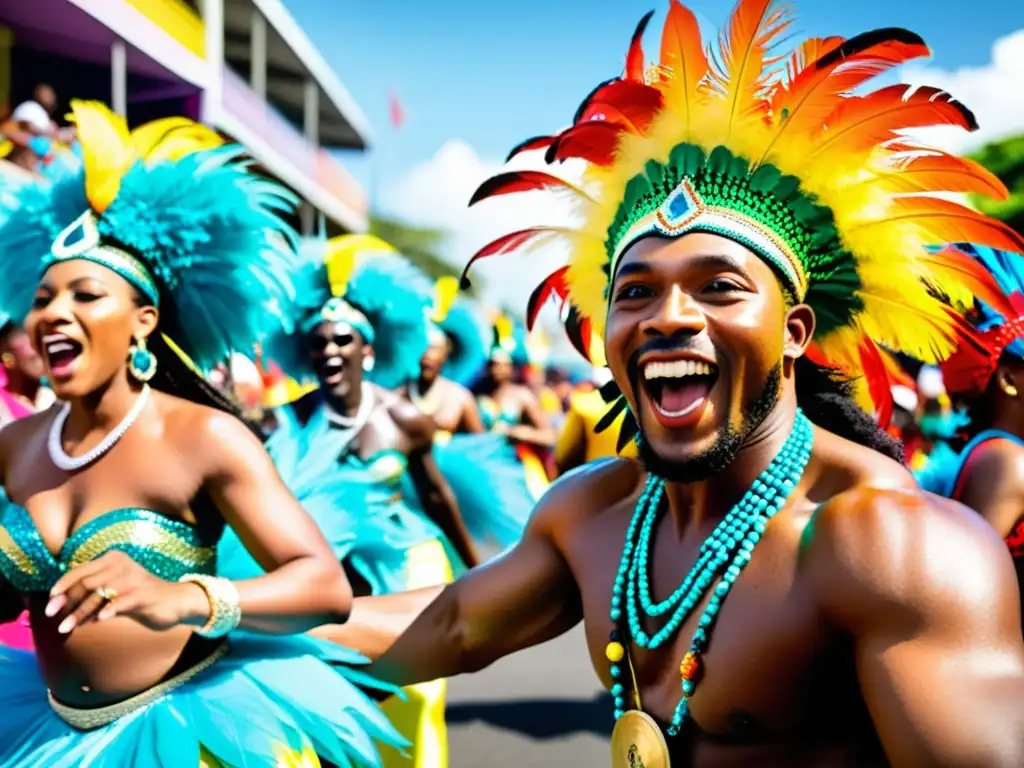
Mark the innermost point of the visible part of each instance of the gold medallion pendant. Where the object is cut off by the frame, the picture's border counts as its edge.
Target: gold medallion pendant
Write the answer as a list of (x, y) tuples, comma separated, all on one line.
[(637, 742)]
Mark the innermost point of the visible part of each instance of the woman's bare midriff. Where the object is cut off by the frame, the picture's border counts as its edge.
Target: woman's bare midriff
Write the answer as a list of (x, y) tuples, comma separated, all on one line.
[(103, 663)]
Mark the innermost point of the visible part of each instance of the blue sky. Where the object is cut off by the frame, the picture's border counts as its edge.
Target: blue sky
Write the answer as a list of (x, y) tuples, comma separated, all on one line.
[(493, 73)]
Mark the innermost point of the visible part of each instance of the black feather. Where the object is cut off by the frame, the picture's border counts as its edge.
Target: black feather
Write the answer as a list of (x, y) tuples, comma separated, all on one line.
[(611, 415)]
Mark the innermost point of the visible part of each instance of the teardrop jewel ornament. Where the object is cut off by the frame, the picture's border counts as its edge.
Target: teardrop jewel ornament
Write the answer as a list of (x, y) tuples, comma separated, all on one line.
[(55, 446)]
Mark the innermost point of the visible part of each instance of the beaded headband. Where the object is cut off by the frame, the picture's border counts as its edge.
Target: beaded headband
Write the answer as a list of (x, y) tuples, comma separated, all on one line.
[(89, 245), (337, 310)]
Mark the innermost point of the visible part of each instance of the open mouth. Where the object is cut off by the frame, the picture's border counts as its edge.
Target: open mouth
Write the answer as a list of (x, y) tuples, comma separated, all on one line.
[(679, 389), (61, 353), (332, 370)]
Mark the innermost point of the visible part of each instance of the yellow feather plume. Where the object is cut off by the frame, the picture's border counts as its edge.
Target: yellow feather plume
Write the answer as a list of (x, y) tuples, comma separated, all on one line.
[(445, 290), (341, 256), (106, 151)]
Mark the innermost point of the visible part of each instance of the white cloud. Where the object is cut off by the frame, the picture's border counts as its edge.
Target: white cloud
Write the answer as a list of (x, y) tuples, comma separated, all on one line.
[(993, 92), (436, 193)]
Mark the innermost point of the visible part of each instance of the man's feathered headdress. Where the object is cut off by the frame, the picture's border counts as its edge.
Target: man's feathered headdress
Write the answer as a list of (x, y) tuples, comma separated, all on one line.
[(782, 153)]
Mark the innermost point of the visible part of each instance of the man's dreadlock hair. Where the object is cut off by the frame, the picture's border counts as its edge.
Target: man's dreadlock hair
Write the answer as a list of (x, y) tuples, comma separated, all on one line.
[(826, 398)]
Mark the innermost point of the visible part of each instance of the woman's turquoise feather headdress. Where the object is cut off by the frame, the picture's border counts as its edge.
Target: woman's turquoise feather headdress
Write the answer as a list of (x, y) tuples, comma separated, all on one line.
[(173, 211), (456, 322), (363, 281)]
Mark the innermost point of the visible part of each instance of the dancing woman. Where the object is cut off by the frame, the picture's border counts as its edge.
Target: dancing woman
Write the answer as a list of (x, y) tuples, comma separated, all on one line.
[(356, 454), (155, 261), (987, 375), (512, 409), (482, 468)]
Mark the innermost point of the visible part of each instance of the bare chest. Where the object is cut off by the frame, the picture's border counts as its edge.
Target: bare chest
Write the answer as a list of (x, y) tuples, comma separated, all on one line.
[(769, 658), (141, 470)]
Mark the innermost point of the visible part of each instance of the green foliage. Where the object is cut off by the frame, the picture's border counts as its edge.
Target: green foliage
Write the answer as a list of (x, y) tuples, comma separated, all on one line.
[(1006, 160), (421, 245)]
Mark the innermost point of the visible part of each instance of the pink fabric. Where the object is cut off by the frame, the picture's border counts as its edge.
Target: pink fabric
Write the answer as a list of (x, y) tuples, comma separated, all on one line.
[(17, 634), (14, 406)]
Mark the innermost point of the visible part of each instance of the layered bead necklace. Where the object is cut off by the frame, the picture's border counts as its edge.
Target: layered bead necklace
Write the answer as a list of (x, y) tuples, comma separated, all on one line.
[(723, 556)]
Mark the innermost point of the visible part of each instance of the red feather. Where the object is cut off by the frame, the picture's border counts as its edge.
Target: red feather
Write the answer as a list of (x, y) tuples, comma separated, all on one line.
[(513, 241), (635, 56), (876, 374), (522, 181), (537, 142), (593, 141), (621, 102), (553, 285)]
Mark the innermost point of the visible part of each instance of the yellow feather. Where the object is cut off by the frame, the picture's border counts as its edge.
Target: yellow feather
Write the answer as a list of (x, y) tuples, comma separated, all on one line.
[(106, 151), (341, 254), (172, 138), (445, 290)]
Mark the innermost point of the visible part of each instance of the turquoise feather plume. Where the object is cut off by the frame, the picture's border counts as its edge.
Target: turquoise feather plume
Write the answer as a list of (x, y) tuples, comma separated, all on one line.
[(468, 354), (210, 232)]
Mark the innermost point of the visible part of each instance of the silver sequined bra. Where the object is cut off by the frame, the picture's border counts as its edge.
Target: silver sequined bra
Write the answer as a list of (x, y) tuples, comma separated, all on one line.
[(166, 548)]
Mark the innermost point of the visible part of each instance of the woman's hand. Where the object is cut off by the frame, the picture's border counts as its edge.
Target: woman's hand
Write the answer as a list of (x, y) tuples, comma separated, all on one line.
[(115, 585)]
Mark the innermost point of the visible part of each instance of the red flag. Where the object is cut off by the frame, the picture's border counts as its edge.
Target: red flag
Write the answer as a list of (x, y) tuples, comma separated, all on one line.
[(395, 111)]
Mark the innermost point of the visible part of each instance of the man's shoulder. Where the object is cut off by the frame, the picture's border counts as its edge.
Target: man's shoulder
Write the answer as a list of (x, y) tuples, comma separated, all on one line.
[(877, 548), (586, 491)]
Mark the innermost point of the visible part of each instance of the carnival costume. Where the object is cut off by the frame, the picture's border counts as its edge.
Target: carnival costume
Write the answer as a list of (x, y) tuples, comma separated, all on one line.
[(177, 215), (483, 471), (364, 507), (768, 149), (997, 332), (508, 345)]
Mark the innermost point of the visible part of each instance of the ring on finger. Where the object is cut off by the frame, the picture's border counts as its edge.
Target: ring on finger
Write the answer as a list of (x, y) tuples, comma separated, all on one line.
[(106, 594)]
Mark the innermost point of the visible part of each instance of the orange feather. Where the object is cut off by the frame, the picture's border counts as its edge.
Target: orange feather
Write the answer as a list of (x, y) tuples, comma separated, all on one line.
[(813, 92), (739, 73), (941, 221), (923, 172), (952, 264), (682, 51), (861, 123)]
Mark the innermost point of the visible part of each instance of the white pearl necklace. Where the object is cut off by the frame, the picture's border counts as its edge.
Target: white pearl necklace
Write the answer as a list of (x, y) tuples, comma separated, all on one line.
[(54, 442), (350, 426)]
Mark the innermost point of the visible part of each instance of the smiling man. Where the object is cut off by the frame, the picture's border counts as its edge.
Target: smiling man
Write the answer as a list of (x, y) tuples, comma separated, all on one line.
[(767, 586)]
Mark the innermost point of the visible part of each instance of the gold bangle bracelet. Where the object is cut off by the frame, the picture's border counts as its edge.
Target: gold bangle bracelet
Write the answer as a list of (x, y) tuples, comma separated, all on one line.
[(225, 613)]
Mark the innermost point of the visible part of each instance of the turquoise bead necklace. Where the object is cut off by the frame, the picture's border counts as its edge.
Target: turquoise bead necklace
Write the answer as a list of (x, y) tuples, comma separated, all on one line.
[(722, 557)]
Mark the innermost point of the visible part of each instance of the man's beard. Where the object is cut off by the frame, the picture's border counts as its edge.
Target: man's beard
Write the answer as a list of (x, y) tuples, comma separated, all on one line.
[(727, 444)]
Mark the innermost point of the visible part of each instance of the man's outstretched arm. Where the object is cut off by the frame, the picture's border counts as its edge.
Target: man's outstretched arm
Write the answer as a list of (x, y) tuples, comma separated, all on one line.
[(928, 593), (521, 599)]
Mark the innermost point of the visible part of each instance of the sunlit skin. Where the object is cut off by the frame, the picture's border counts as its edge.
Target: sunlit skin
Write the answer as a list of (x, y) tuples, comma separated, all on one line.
[(180, 459), (338, 353), (23, 369), (885, 632), (450, 404)]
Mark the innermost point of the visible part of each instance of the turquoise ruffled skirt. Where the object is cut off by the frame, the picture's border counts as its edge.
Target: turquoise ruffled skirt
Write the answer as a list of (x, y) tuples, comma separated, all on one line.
[(271, 702)]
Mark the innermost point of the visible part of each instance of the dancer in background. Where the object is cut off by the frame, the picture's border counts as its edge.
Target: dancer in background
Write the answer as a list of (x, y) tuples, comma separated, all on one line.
[(512, 409), (986, 377), (587, 436), (160, 247), (454, 359), (482, 468), (356, 454)]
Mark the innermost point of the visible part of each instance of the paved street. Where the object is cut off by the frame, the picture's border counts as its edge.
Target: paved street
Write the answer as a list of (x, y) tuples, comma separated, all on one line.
[(537, 709)]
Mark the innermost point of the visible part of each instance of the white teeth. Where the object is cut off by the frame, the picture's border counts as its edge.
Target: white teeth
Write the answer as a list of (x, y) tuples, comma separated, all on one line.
[(676, 369), (51, 337), (58, 346)]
